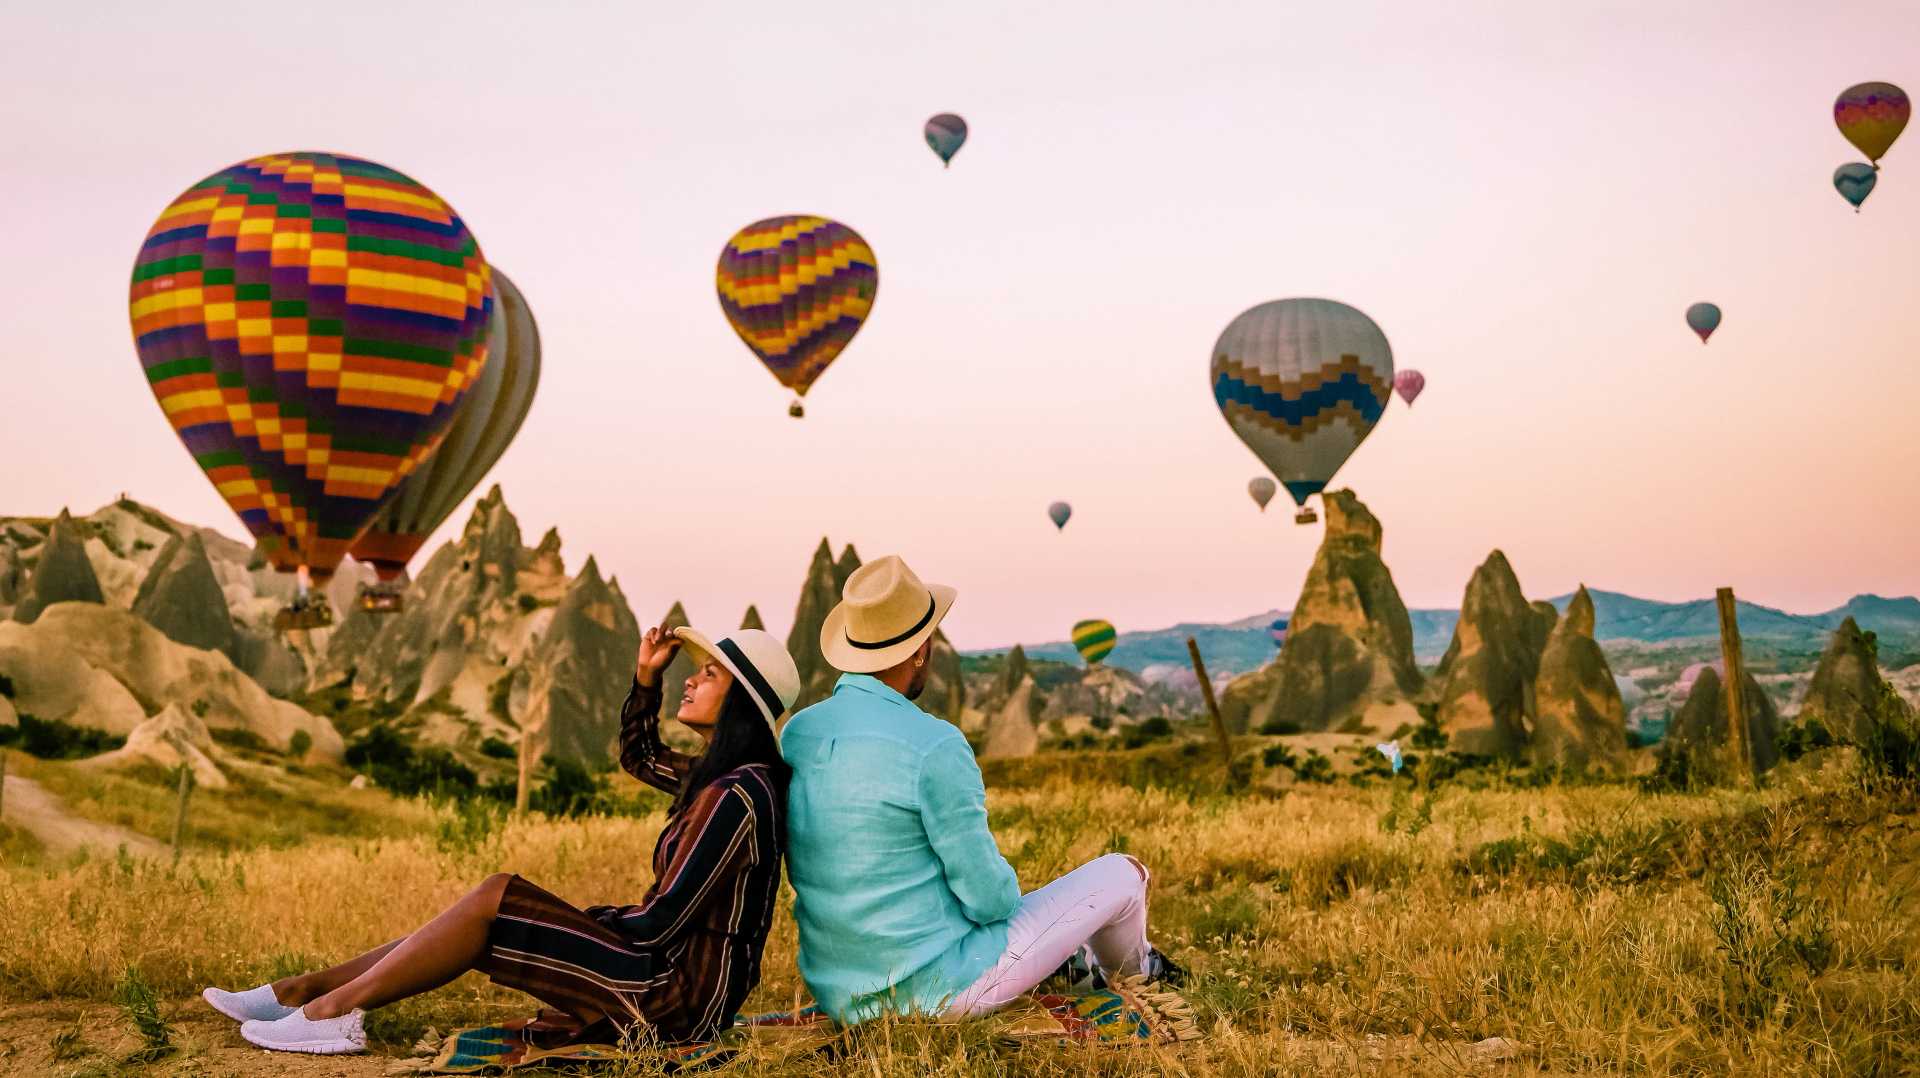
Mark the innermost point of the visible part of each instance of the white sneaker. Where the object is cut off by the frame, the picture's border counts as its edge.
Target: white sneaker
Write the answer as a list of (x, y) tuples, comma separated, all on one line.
[(255, 1003), (298, 1033)]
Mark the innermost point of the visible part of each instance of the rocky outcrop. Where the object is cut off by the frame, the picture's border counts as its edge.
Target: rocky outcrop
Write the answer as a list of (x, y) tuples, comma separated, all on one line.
[(1011, 729), (945, 696), (1846, 686), (581, 670), (1348, 658), (170, 739), (1579, 719), (673, 681), (1699, 729), (63, 573), (752, 619), (1487, 676), (102, 667), (182, 598), (1107, 693), (818, 594), (12, 578)]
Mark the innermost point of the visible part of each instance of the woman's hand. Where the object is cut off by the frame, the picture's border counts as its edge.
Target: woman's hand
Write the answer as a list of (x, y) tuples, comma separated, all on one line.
[(657, 649)]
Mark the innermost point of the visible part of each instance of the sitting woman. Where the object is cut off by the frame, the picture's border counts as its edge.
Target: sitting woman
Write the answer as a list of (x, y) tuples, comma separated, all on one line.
[(680, 963)]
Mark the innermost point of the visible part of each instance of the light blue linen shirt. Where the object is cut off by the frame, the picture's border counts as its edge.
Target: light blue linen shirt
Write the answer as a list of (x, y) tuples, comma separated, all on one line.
[(901, 894)]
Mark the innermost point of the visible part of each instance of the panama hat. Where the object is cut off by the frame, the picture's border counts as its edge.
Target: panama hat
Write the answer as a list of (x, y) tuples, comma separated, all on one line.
[(885, 614), (758, 661)]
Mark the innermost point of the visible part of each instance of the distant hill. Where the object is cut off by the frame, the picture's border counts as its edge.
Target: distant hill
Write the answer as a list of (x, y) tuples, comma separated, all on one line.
[(1242, 645)]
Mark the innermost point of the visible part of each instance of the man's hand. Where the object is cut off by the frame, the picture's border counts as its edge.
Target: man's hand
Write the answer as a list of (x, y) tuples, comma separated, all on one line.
[(657, 649)]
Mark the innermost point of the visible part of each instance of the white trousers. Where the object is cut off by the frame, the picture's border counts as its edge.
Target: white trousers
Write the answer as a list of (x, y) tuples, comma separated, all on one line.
[(1102, 906)]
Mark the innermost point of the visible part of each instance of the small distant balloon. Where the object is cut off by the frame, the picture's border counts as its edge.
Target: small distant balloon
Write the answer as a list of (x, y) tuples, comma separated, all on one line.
[(1871, 115), (1408, 384), (1703, 318), (1855, 182), (1391, 750), (1094, 640), (1059, 513), (946, 133), (1262, 490), (1278, 630)]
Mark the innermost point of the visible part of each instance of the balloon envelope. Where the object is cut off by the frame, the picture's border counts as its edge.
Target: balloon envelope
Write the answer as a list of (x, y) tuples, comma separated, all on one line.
[(946, 133), (1871, 115), (1408, 384), (796, 289), (309, 323), (482, 429), (1261, 489), (1094, 640), (1855, 182), (1278, 630), (1059, 512), (1302, 382), (1703, 318)]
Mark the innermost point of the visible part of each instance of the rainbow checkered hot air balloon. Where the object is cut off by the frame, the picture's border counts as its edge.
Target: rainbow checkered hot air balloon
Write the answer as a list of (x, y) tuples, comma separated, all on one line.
[(796, 289), (1094, 640), (309, 323)]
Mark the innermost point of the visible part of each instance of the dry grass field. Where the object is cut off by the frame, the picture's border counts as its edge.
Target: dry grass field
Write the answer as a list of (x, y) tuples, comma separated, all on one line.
[(1331, 928)]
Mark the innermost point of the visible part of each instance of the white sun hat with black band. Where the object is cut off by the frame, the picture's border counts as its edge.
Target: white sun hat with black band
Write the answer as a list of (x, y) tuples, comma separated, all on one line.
[(758, 661), (885, 614)]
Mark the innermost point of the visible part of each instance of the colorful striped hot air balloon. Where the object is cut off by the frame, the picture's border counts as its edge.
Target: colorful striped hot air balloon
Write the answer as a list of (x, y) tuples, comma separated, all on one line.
[(1094, 640), (1302, 382), (309, 323), (485, 425), (1871, 115), (1278, 631), (1855, 182), (1261, 489), (1059, 513), (1703, 319), (946, 133), (796, 289)]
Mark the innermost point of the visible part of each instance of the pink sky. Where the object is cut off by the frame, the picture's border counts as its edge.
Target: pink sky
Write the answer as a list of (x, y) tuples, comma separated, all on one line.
[(1526, 197)]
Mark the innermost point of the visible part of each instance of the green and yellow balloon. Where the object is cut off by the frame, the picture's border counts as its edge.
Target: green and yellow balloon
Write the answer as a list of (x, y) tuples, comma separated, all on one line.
[(1094, 640)]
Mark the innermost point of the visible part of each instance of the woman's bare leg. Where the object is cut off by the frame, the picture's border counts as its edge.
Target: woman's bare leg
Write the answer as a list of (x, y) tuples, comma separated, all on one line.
[(307, 987), (441, 950)]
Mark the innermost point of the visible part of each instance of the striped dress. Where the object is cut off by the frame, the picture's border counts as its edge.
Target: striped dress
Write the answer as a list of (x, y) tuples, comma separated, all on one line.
[(683, 959)]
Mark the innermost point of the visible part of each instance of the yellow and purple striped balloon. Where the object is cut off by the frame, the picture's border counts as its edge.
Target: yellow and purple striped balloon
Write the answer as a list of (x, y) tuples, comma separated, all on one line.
[(309, 323), (1871, 115), (796, 289)]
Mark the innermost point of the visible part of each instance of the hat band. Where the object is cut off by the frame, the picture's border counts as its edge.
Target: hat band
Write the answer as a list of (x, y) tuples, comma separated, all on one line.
[(876, 645), (769, 700)]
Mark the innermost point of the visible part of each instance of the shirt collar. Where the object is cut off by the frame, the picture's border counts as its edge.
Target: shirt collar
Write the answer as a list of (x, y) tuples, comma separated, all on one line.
[(867, 683)]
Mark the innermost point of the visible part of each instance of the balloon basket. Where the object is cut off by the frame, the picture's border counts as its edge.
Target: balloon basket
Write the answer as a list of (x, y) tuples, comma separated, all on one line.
[(309, 611), (1305, 516), (797, 410), (383, 598)]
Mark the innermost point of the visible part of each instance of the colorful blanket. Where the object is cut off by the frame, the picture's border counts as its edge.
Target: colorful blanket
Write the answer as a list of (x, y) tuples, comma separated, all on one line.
[(1129, 1014)]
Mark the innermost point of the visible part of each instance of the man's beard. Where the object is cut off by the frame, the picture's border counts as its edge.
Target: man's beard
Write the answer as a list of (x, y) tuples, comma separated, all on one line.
[(919, 683)]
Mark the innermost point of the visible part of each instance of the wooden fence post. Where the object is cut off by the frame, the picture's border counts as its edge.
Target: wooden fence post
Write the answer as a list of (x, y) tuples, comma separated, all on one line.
[(3, 783), (520, 792), (1735, 688), (180, 810), (1213, 708)]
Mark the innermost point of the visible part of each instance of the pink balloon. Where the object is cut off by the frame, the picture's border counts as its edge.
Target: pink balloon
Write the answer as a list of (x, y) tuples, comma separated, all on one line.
[(1408, 384)]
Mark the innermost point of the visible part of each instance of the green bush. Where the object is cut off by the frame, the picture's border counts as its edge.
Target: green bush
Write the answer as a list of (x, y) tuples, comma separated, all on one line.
[(1315, 768), (1799, 738), (1280, 756), (1279, 727), (1154, 729), (57, 739), (6, 686), (497, 749), (397, 764), (299, 744)]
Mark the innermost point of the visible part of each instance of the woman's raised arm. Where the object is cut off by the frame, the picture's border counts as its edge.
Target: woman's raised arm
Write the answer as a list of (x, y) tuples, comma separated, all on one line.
[(642, 753)]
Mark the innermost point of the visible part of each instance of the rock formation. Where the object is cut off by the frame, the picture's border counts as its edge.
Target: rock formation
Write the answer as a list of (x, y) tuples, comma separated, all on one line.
[(819, 593), (169, 739), (673, 681), (1348, 658), (581, 670), (181, 597), (752, 619), (1487, 676), (100, 666), (1846, 685), (11, 578), (1010, 728), (63, 573), (1699, 729), (1579, 718)]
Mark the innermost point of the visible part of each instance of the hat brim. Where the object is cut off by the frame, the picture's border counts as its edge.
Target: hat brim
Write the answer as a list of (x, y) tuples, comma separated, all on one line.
[(701, 645), (844, 657)]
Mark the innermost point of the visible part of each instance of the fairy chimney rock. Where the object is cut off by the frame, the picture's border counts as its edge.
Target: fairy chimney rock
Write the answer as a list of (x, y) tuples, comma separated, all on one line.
[(62, 575), (1579, 718), (752, 619), (819, 593), (182, 598), (1699, 729), (1486, 678), (673, 681), (1846, 685)]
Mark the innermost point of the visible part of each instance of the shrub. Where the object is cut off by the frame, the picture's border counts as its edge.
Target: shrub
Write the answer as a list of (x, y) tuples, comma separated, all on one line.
[(528, 603), (497, 749), (6, 686), (1154, 729), (1315, 768), (1890, 751), (394, 762), (1280, 756), (1279, 727), (1799, 738), (570, 790), (299, 744), (57, 739), (1102, 723), (240, 738)]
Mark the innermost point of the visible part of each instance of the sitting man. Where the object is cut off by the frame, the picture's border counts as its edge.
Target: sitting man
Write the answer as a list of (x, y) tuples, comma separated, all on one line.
[(905, 904)]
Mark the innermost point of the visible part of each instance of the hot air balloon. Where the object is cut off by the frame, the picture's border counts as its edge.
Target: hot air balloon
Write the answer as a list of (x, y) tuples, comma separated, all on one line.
[(485, 425), (1871, 115), (1855, 182), (310, 323), (946, 133), (1093, 639), (1302, 382), (1703, 318), (1278, 630), (1261, 489), (796, 290), (1408, 384), (1059, 513)]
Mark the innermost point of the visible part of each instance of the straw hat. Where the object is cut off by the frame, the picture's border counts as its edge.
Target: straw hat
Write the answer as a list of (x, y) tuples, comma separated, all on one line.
[(885, 614), (758, 661)]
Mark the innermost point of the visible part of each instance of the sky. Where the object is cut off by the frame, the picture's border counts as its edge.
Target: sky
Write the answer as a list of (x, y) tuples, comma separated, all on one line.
[(1524, 196)]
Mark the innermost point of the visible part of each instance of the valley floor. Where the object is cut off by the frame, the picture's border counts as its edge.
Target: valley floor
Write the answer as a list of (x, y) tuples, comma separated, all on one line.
[(1485, 925)]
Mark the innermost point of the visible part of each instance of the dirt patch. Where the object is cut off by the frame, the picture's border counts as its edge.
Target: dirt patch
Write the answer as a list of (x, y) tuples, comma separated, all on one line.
[(74, 1039), (28, 806)]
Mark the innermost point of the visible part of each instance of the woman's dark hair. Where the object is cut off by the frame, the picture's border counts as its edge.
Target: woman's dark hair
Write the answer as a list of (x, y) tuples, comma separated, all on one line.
[(742, 736)]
